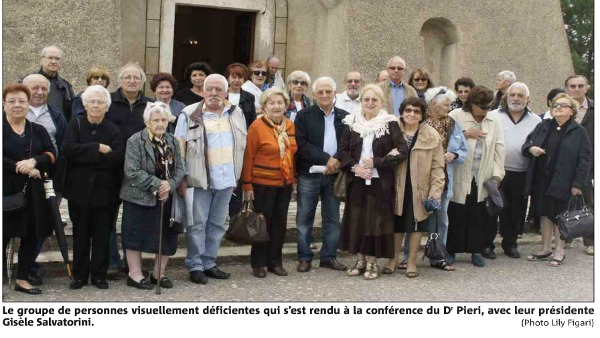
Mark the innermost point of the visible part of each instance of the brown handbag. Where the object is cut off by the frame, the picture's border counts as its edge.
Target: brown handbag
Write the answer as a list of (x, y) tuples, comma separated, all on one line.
[(340, 184), (248, 227)]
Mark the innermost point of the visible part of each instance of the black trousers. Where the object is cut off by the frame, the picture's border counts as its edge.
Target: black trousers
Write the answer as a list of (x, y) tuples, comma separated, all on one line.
[(588, 195), (26, 258), (91, 228), (273, 203), (512, 219), (468, 224)]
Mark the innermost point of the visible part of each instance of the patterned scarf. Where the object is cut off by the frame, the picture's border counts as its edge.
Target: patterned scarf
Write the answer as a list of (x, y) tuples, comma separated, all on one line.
[(441, 126), (164, 156), (285, 149)]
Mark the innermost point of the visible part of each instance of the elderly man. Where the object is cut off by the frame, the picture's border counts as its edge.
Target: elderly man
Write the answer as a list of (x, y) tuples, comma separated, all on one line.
[(318, 132), (50, 117), (61, 92), (213, 136), (517, 122), (503, 80), (349, 100), (126, 111), (577, 86), (394, 89), (275, 80), (382, 76)]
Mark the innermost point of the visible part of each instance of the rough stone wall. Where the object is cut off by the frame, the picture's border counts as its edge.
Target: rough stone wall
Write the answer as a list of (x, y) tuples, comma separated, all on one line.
[(89, 32)]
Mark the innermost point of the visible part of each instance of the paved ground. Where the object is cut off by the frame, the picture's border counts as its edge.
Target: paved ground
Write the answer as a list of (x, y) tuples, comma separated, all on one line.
[(503, 279)]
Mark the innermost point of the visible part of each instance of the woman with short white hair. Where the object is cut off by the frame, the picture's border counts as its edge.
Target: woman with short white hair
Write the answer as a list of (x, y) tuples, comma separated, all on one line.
[(153, 169), (297, 83)]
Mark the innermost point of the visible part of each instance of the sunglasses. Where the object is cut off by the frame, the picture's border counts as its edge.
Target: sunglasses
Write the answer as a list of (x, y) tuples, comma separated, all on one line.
[(302, 83), (561, 105), (575, 86), (259, 72), (484, 107), (420, 79), (99, 77)]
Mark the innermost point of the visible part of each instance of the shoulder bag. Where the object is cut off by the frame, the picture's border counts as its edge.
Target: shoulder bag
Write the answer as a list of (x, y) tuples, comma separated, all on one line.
[(18, 201)]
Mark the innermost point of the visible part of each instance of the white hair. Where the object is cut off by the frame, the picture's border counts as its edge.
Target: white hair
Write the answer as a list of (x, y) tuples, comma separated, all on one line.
[(219, 78), (327, 79), (133, 65), (156, 107), (518, 84), (298, 75), (43, 53), (95, 89), (32, 77), (508, 75), (433, 95)]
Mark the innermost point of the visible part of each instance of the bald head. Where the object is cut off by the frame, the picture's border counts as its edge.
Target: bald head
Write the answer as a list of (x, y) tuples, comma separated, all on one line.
[(51, 60), (39, 86), (395, 69)]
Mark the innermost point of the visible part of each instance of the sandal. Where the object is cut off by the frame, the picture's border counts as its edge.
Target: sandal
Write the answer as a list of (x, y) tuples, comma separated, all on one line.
[(403, 265), (412, 274), (442, 265), (358, 268), (388, 271), (372, 271), (557, 262), (538, 257)]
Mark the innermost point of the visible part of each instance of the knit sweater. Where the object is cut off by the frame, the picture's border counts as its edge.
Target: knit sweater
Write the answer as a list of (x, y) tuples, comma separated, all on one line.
[(515, 136), (261, 157)]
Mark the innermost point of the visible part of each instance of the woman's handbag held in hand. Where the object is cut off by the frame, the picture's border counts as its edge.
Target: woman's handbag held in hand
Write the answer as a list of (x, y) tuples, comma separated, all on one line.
[(248, 227), (575, 222)]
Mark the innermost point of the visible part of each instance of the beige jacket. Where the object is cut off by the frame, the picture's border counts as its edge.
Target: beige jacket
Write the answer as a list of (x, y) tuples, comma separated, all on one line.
[(409, 91), (426, 172), (492, 160)]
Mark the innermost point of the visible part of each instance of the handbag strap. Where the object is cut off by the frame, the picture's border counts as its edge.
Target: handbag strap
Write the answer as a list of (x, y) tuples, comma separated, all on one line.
[(573, 201)]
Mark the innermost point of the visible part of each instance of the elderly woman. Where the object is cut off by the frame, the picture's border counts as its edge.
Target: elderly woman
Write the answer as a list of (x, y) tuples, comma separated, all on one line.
[(95, 76), (297, 82), (370, 147), (259, 72), (418, 179), (561, 153), (28, 153), (454, 146), (94, 152), (193, 76), (153, 169), (164, 85), (469, 219), (462, 86), (268, 176), (420, 79)]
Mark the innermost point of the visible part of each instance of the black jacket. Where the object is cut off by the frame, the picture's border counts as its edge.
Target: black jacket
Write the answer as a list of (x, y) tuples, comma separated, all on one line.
[(588, 124), (572, 164), (129, 118), (92, 177), (66, 91), (246, 104), (310, 131)]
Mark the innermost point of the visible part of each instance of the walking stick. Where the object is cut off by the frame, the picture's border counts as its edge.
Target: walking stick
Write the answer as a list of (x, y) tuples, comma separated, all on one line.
[(160, 234)]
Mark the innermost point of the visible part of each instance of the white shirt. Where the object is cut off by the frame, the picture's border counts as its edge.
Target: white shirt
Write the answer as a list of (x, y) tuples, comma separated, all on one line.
[(343, 101), (234, 98), (367, 152)]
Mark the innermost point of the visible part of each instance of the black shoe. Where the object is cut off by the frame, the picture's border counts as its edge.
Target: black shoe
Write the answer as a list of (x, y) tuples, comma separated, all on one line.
[(512, 253), (34, 279), (488, 253), (100, 283), (32, 291), (143, 284), (198, 277), (214, 272), (164, 282), (77, 284)]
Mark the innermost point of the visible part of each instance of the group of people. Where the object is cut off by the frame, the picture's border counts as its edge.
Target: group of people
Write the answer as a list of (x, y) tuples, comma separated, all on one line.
[(410, 158)]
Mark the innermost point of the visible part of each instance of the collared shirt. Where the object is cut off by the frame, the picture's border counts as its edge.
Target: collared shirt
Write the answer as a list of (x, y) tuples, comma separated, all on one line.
[(329, 139), (397, 92), (343, 101), (43, 117), (581, 111)]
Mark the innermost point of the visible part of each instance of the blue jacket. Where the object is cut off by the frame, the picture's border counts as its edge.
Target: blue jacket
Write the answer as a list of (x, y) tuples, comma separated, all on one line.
[(456, 144)]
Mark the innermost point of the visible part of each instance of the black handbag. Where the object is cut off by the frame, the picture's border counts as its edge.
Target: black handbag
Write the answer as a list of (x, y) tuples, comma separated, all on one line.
[(575, 223), (16, 202), (435, 248), (496, 201), (248, 227)]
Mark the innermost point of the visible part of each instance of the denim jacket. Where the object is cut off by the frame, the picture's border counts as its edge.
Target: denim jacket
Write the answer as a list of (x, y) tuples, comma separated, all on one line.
[(456, 144)]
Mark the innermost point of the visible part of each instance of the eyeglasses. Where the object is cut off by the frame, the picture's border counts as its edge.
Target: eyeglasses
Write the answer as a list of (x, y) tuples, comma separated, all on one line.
[(99, 77), (259, 72), (561, 105), (353, 81), (575, 86), (412, 111), (13, 102), (396, 68), (132, 78), (484, 107), (52, 58), (420, 79), (302, 83)]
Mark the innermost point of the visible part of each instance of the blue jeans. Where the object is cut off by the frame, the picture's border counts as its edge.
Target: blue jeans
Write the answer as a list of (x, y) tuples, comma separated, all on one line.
[(442, 220), (309, 189), (114, 260), (206, 232)]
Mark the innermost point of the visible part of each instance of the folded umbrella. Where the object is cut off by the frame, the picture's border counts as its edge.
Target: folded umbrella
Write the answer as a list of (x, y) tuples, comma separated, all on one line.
[(10, 255), (55, 218), (492, 187)]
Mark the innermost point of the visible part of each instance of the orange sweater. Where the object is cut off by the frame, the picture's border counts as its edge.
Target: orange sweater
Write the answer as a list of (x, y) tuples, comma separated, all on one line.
[(261, 158)]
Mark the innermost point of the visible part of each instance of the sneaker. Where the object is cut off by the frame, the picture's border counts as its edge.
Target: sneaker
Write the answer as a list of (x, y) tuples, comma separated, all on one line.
[(590, 250)]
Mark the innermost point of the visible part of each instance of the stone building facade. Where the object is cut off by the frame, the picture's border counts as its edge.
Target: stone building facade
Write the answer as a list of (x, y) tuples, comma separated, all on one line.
[(451, 38)]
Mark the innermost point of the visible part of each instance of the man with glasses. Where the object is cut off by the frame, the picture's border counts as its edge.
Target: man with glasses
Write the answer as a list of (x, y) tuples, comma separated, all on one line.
[(503, 80), (394, 89), (275, 79), (349, 100), (577, 86), (517, 122), (61, 92)]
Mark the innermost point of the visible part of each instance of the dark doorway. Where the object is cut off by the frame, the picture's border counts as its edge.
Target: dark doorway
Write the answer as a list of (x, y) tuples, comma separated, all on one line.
[(219, 37)]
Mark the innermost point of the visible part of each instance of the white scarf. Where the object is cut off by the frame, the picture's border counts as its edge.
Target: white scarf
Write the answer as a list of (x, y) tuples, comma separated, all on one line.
[(377, 125)]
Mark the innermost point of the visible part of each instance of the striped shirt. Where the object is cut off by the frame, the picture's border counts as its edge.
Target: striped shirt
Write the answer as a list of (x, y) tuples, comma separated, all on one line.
[(219, 145)]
